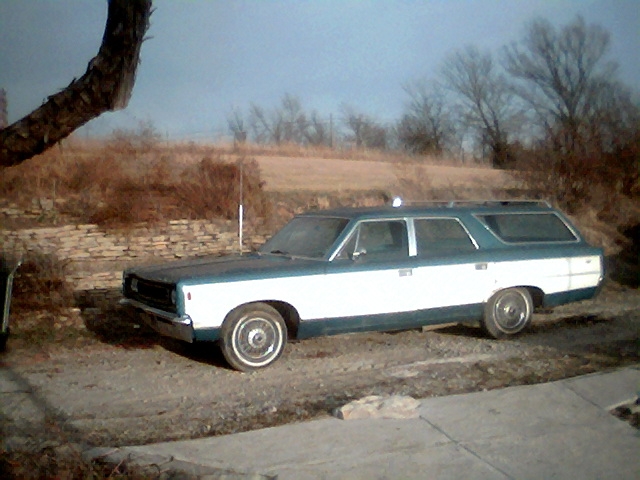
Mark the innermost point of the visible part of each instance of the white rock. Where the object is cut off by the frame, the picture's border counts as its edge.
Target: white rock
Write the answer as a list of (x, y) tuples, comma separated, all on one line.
[(374, 406)]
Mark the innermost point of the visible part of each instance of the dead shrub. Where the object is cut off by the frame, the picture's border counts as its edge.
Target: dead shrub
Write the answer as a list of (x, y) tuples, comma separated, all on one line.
[(133, 143), (574, 182), (128, 204), (40, 294), (598, 191), (211, 189), (36, 178), (94, 174), (40, 284)]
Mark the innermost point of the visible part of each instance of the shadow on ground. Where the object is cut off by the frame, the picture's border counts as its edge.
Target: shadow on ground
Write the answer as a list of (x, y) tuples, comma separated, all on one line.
[(113, 324)]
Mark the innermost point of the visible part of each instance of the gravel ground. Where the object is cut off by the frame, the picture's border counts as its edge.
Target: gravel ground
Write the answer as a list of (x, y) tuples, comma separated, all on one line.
[(152, 390)]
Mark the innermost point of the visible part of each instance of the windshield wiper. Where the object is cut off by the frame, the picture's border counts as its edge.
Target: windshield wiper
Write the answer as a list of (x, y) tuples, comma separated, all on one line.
[(279, 252)]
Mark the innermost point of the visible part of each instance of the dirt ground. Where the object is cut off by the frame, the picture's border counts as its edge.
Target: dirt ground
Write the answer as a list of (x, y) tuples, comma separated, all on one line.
[(150, 389)]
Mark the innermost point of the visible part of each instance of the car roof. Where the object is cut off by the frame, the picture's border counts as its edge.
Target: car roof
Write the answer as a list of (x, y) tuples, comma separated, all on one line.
[(440, 209)]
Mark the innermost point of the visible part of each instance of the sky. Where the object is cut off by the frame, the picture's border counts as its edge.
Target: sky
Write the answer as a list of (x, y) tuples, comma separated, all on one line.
[(205, 58)]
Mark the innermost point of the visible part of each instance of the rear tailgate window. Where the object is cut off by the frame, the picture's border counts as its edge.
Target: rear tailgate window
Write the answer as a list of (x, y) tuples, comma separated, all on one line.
[(528, 227)]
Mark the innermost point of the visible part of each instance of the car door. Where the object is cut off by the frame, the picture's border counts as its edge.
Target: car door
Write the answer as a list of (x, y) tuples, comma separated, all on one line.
[(372, 273), (449, 270)]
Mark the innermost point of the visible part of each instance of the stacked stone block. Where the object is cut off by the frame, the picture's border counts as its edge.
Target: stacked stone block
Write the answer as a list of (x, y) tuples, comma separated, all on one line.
[(97, 257)]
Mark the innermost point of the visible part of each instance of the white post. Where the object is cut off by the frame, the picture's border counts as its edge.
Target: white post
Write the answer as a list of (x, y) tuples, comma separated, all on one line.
[(240, 211)]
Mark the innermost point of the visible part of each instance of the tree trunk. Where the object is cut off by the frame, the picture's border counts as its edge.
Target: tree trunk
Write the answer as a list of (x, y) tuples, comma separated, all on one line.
[(3, 109), (106, 85)]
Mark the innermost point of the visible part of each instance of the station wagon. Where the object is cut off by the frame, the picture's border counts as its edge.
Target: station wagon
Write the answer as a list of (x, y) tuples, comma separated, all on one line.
[(381, 268)]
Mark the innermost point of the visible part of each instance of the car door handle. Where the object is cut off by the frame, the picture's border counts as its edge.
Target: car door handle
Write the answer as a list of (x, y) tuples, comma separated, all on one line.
[(405, 272), (481, 266)]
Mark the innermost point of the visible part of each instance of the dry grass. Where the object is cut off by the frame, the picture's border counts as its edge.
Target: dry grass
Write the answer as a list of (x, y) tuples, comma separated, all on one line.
[(129, 180), (41, 284), (421, 183), (134, 177), (41, 293)]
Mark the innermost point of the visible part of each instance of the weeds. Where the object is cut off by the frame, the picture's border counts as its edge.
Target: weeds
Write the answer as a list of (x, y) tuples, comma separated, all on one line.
[(131, 178), (40, 284), (212, 189), (41, 294)]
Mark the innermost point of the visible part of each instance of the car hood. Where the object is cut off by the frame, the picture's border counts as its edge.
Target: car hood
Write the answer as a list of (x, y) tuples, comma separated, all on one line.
[(233, 267)]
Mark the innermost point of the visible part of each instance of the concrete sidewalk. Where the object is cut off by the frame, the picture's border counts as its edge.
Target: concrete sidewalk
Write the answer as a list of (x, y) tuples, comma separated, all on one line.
[(555, 430)]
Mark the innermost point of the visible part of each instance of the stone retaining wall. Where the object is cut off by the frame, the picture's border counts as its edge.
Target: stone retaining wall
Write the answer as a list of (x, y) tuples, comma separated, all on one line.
[(96, 257)]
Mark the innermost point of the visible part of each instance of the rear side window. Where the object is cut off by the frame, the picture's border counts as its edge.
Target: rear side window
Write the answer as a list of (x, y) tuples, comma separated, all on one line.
[(528, 227), (438, 236)]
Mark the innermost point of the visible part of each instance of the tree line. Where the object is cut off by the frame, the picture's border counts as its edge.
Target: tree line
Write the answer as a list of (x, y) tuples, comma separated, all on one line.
[(549, 103), (554, 93)]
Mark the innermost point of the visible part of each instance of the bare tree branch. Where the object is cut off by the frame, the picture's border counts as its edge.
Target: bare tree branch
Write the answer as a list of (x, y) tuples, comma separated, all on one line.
[(486, 100), (426, 127), (365, 131), (106, 85), (563, 73)]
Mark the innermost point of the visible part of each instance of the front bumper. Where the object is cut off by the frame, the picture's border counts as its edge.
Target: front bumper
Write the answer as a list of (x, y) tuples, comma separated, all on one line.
[(165, 323)]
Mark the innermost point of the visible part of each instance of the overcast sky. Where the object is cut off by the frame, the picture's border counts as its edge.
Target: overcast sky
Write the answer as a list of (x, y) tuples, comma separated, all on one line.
[(204, 58)]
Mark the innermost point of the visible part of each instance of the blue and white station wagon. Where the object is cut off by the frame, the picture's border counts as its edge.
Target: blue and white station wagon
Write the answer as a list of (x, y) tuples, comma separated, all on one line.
[(383, 268)]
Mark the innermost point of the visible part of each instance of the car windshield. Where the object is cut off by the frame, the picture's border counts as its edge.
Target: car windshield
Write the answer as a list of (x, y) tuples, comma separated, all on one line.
[(310, 237)]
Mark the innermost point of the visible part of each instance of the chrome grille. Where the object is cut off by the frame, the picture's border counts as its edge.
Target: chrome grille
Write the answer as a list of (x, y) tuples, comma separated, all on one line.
[(153, 294)]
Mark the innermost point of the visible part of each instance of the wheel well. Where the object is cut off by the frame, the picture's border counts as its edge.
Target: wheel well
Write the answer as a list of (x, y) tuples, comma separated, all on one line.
[(289, 314), (537, 296)]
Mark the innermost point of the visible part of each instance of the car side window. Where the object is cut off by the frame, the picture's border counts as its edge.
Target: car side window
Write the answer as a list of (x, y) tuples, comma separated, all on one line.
[(529, 227), (378, 240), (438, 236)]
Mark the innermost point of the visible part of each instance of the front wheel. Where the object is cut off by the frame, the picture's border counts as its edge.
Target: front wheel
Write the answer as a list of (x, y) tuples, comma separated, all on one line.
[(508, 312), (253, 337)]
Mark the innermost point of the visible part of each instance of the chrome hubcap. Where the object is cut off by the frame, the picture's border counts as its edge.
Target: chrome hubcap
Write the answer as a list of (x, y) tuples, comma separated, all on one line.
[(511, 311), (256, 339)]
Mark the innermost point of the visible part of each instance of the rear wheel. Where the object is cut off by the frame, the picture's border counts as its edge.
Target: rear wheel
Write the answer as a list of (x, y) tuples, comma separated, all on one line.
[(253, 337), (508, 312)]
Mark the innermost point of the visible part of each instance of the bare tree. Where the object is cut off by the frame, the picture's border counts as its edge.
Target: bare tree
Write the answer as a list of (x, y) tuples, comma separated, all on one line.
[(319, 131), (427, 126), (562, 74), (293, 119), (363, 130), (261, 126), (106, 85), (237, 127), (485, 100), (285, 124)]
